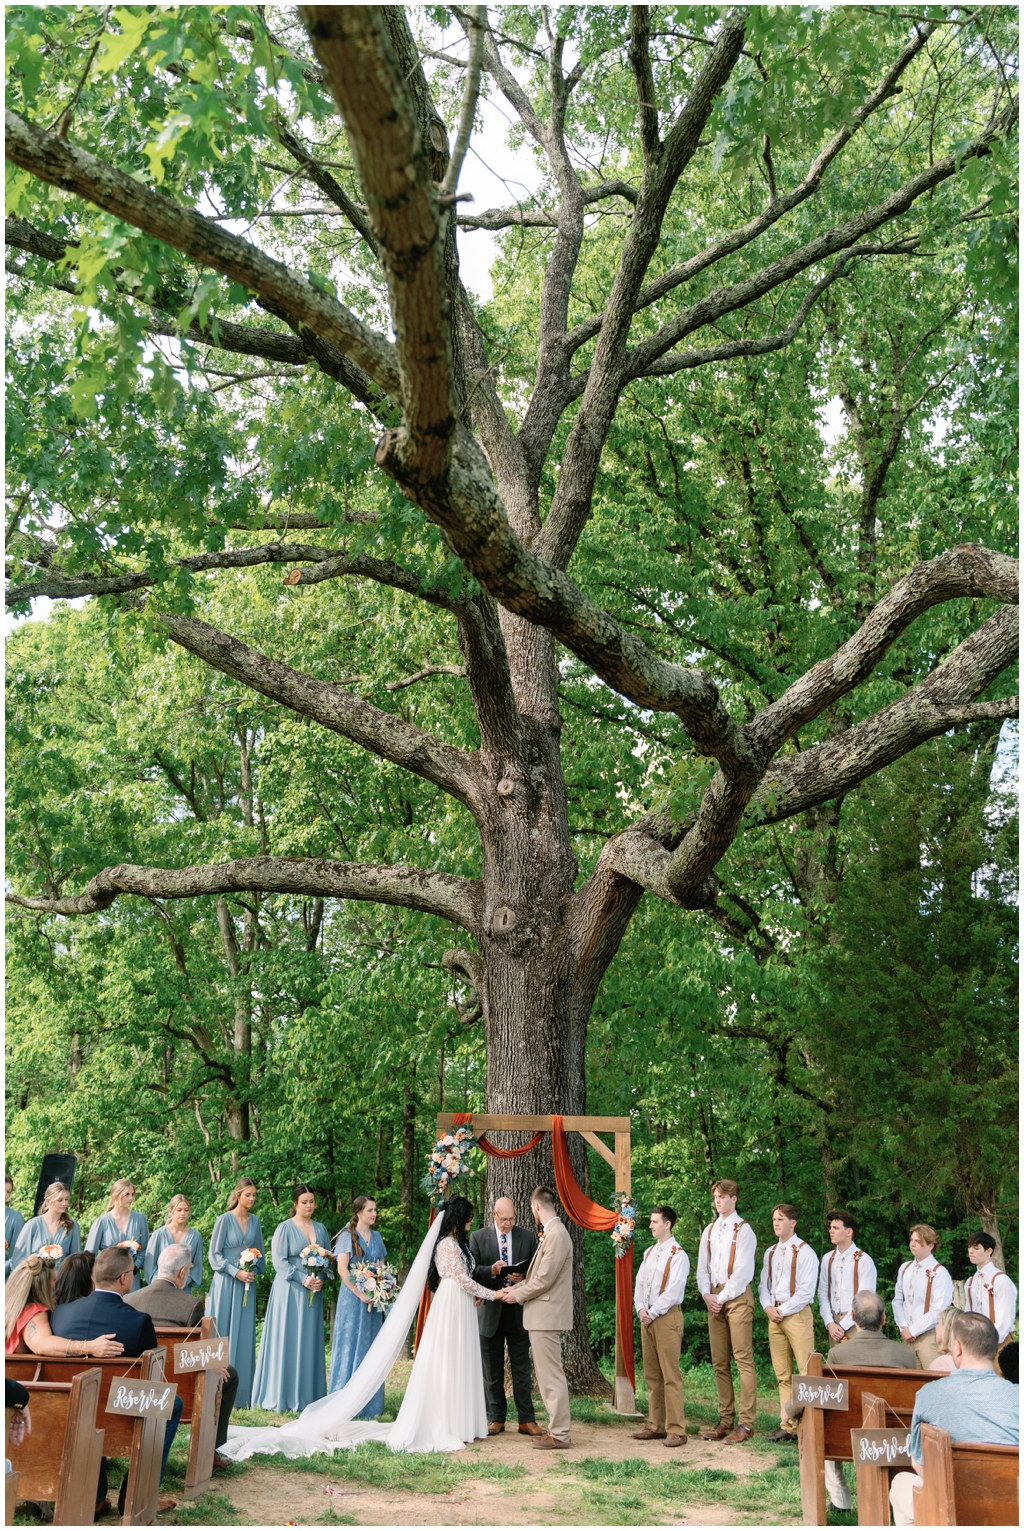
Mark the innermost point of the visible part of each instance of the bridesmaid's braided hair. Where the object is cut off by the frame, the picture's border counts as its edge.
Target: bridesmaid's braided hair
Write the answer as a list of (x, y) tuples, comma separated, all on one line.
[(358, 1252)]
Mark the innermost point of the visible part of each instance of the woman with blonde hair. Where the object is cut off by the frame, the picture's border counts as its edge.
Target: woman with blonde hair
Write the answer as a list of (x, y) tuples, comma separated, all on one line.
[(121, 1226), (176, 1231), (28, 1301), (232, 1299), (52, 1226), (943, 1362)]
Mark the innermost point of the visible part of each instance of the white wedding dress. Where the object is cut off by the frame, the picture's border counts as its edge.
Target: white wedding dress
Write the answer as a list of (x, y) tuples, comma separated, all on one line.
[(443, 1408)]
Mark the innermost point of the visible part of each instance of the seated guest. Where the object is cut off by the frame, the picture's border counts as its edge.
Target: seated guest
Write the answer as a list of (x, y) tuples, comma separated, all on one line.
[(106, 1310), (972, 1404), (167, 1301), (865, 1345), (943, 1362), (29, 1301), (73, 1278), (1008, 1361), (19, 1422)]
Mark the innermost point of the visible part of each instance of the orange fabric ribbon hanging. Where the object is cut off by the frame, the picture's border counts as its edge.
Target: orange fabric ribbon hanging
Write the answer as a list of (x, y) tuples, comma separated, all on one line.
[(588, 1214)]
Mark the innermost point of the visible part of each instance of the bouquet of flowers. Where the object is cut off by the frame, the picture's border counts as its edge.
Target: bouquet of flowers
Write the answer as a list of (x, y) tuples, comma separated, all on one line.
[(246, 1259), (134, 1248), (447, 1163), (625, 1222), (317, 1261), (376, 1280), (52, 1254)]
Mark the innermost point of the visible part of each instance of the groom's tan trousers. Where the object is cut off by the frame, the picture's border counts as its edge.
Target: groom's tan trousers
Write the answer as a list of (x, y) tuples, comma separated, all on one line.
[(546, 1345)]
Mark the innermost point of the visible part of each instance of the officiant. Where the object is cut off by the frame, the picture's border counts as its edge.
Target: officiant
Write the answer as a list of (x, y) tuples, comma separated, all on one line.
[(498, 1250)]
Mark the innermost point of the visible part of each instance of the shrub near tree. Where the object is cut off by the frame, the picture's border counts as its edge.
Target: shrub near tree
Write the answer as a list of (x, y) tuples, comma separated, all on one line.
[(630, 614)]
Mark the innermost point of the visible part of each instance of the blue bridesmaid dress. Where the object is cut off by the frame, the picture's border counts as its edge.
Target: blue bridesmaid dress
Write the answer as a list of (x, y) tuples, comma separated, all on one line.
[(290, 1369), (356, 1325), (226, 1301), (35, 1235), (104, 1233), (162, 1239), (13, 1224)]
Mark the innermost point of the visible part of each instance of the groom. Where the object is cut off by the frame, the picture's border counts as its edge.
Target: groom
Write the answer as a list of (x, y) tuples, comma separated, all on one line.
[(546, 1299), (494, 1247)]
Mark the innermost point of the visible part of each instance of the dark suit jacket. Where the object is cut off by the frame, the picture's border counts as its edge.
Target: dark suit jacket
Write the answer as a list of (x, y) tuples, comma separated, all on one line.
[(104, 1313), (166, 1304), (483, 1246)]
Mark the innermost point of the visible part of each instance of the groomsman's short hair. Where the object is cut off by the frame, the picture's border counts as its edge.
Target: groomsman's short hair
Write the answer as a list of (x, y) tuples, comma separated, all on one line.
[(846, 1218), (668, 1213), (110, 1265), (727, 1187), (986, 1240), (926, 1233), (787, 1209), (544, 1195)]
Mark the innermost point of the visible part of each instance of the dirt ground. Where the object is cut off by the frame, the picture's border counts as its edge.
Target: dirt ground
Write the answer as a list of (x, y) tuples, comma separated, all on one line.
[(547, 1496)]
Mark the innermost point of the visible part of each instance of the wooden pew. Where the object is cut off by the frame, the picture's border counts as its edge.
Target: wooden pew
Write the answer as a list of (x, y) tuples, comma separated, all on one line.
[(873, 1478), (60, 1460), (824, 1434), (11, 1498), (200, 1404), (966, 1484), (140, 1440)]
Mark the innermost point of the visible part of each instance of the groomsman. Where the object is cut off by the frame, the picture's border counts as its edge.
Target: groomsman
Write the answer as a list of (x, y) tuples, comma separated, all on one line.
[(725, 1270), (924, 1289), (493, 1248), (658, 1297), (990, 1290), (844, 1273), (788, 1279)]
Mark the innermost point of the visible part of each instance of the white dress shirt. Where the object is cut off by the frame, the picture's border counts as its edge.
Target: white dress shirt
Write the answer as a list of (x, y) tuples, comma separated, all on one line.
[(835, 1284), (776, 1293), (991, 1292), (716, 1273), (912, 1293), (647, 1289)]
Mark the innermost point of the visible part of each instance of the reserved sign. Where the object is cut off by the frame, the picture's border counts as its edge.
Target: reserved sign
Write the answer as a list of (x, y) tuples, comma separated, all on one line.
[(201, 1355), (821, 1392), (888, 1448), (143, 1400)]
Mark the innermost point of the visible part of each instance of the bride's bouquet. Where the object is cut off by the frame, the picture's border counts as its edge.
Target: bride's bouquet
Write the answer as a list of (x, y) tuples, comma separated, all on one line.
[(376, 1280), (245, 1260), (317, 1261)]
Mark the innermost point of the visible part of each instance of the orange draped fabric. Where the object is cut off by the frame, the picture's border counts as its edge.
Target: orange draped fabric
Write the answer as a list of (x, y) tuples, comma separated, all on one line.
[(588, 1214)]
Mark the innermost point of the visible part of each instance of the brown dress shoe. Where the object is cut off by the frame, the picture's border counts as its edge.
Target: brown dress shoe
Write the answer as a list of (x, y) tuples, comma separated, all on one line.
[(548, 1443), (495, 1427), (530, 1427), (741, 1433), (647, 1434), (719, 1433), (675, 1440), (164, 1506)]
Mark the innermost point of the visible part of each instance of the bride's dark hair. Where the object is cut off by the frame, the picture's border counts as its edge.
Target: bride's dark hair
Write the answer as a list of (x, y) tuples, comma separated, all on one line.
[(455, 1216)]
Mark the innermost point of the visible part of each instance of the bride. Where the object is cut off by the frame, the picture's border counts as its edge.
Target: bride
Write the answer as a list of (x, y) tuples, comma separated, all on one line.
[(443, 1407)]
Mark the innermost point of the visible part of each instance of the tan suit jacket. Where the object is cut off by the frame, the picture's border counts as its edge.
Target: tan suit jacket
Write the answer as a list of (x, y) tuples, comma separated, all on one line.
[(546, 1294)]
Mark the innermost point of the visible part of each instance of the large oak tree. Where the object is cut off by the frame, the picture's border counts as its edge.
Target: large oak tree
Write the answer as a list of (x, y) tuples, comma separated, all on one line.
[(738, 216)]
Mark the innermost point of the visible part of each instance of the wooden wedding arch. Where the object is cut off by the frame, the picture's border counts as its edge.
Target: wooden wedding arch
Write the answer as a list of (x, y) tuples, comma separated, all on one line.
[(620, 1159)]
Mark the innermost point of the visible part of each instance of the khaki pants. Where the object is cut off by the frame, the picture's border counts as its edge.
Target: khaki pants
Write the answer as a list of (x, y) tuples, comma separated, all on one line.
[(731, 1333), (792, 1340), (926, 1348), (901, 1497), (546, 1345), (662, 1342)]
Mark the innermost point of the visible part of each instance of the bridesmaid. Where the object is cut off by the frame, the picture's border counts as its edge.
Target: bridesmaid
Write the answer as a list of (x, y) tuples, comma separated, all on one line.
[(177, 1231), (228, 1303), (13, 1224), (120, 1222), (290, 1368), (356, 1324), (52, 1226)]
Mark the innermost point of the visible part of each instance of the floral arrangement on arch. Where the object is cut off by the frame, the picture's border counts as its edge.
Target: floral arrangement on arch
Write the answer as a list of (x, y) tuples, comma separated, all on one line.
[(448, 1162), (625, 1222)]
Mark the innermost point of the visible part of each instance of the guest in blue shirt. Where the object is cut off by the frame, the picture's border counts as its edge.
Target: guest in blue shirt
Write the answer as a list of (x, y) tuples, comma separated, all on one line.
[(13, 1224), (971, 1404), (105, 1311)]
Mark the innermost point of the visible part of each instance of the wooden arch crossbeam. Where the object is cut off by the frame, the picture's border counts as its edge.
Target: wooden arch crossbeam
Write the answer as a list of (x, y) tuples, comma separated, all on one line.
[(620, 1160)]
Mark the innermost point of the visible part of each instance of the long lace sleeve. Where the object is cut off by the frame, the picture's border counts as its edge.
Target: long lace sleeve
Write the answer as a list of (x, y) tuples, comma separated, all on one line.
[(452, 1266)]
